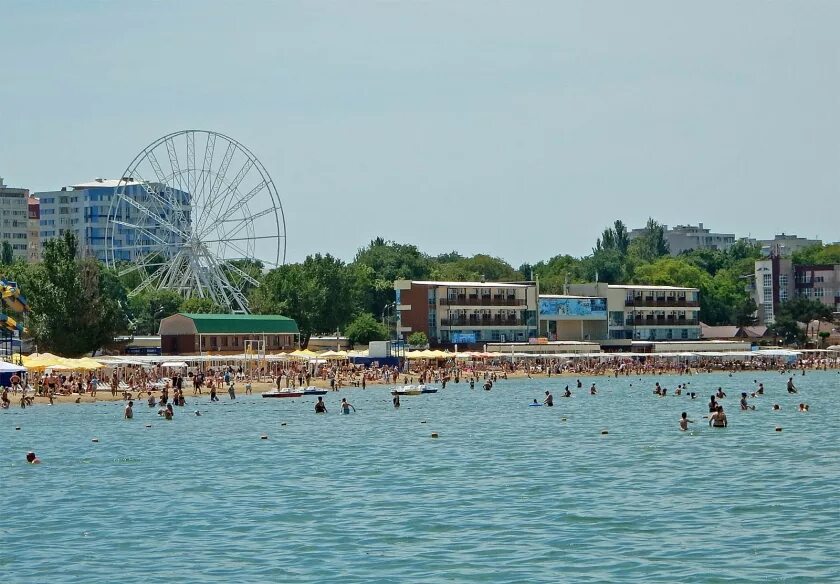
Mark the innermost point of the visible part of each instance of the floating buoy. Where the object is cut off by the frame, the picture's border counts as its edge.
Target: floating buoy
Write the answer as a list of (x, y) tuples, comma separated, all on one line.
[(434, 434), (94, 439), (562, 419), (778, 428), (423, 421), (17, 427), (282, 423), (148, 425), (264, 437), (604, 432)]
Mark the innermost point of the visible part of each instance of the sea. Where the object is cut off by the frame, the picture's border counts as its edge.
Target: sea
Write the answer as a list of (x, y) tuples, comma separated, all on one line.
[(602, 488)]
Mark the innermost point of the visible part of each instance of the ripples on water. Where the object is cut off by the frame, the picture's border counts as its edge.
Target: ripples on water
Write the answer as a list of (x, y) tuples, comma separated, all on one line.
[(507, 493)]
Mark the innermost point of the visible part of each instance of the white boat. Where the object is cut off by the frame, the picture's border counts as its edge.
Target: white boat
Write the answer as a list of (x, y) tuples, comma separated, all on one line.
[(407, 390)]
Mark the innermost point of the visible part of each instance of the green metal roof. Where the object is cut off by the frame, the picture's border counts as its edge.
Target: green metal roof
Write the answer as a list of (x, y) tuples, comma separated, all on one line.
[(233, 324)]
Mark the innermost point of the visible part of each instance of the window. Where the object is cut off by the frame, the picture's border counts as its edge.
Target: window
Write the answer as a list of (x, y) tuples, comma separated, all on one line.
[(684, 333), (767, 280), (819, 292), (783, 295), (783, 281)]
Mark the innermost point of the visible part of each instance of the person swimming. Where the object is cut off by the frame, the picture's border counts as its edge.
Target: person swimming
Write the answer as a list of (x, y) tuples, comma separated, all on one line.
[(32, 459), (549, 399), (346, 406), (684, 422)]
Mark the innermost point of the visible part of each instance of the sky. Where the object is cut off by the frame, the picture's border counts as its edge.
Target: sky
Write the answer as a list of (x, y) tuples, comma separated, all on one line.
[(517, 129)]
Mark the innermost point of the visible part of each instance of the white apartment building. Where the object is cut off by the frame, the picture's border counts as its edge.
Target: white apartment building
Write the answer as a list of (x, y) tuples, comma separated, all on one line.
[(688, 237), (647, 313), (14, 219)]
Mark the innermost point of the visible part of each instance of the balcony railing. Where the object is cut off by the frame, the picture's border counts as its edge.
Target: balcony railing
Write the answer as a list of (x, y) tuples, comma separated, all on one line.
[(482, 301), (482, 322), (662, 322), (657, 302)]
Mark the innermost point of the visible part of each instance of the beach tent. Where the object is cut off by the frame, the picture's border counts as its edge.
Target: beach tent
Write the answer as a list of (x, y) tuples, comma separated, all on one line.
[(173, 364), (6, 367), (333, 355)]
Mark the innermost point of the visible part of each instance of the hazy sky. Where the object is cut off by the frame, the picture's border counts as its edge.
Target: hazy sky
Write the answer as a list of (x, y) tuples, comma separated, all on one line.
[(518, 129)]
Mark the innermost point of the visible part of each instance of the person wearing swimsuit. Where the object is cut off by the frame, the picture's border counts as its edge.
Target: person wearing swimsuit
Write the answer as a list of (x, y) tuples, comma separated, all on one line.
[(718, 419)]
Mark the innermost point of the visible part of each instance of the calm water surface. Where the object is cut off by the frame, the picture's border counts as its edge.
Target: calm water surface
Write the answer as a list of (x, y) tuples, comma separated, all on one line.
[(508, 493)]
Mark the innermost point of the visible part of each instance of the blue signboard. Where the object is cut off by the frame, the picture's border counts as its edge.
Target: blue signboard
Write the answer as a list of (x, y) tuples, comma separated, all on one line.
[(462, 338), (573, 308)]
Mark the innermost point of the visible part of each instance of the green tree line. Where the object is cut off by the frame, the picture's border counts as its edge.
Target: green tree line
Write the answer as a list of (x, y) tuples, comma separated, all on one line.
[(79, 305)]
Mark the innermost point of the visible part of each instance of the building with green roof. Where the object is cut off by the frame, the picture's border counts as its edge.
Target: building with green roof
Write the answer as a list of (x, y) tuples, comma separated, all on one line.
[(189, 333)]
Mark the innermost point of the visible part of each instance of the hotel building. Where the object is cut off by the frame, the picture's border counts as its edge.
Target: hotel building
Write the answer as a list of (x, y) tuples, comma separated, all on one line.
[(468, 314), (647, 313)]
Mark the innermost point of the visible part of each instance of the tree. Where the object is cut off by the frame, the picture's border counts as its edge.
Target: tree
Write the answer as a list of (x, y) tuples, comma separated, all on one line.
[(196, 305), (788, 330), (320, 294), (7, 255), (478, 267), (77, 306), (364, 329), (817, 254), (554, 273), (805, 310), (418, 339), (390, 261), (149, 307), (651, 244)]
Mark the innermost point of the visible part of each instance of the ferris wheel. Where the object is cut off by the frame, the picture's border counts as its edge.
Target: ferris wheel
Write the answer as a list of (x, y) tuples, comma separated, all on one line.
[(196, 212)]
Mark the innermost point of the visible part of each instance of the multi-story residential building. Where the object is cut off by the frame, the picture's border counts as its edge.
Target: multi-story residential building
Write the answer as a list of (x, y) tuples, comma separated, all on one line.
[(784, 245), (819, 282), (778, 280), (467, 313), (14, 225), (83, 208), (772, 285), (647, 313), (33, 238), (688, 237)]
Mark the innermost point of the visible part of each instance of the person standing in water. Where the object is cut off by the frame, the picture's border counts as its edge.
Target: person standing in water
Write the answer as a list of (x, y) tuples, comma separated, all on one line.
[(345, 406), (549, 399), (396, 401), (684, 422), (129, 410), (320, 406), (790, 386), (718, 419)]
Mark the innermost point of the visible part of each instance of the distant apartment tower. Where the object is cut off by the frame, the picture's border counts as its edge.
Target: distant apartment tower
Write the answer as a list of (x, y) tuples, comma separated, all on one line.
[(647, 313), (14, 223), (33, 241), (688, 237), (773, 284), (778, 280), (83, 208), (785, 245), (467, 313)]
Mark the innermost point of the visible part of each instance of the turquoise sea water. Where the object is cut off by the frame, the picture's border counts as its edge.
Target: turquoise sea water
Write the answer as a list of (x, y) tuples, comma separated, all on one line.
[(507, 493)]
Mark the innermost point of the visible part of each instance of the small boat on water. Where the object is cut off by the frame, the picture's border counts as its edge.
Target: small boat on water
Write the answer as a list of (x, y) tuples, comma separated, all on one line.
[(314, 391), (282, 393), (407, 390), (413, 390)]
